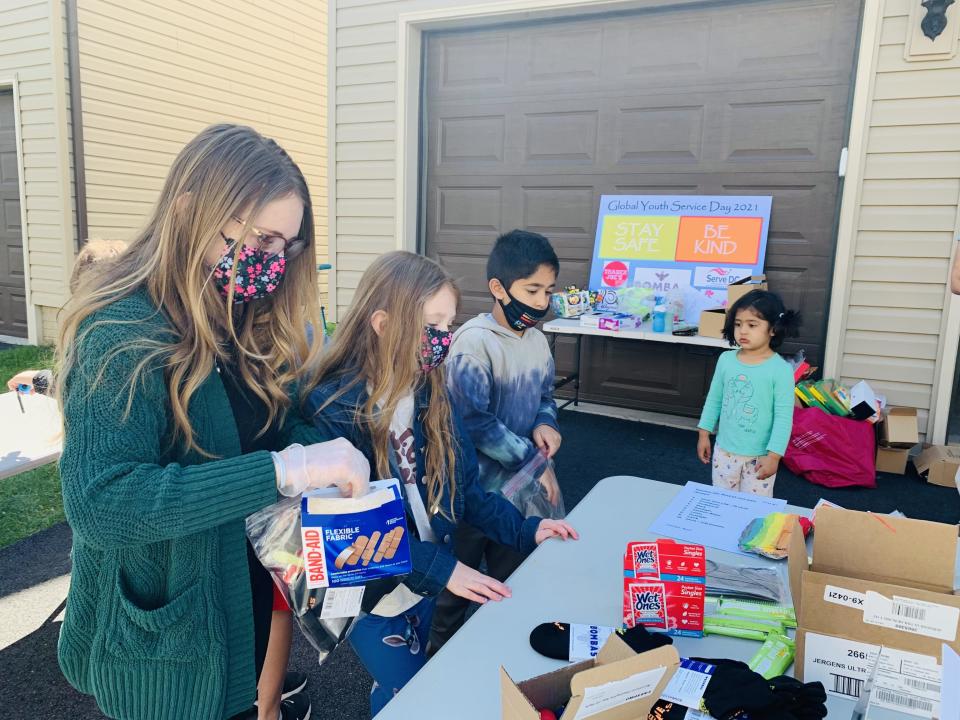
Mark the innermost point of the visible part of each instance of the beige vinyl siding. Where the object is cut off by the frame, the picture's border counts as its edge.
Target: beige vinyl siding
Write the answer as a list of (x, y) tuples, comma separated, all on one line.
[(906, 221), (153, 75), (27, 54)]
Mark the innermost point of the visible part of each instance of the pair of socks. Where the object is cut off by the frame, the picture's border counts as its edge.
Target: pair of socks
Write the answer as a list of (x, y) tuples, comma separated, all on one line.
[(735, 691), (553, 639)]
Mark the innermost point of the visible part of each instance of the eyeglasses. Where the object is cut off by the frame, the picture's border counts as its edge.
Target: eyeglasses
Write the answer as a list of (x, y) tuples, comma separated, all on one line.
[(275, 244)]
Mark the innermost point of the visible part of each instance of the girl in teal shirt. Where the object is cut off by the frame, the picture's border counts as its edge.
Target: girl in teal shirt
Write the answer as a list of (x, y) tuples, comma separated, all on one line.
[(750, 403)]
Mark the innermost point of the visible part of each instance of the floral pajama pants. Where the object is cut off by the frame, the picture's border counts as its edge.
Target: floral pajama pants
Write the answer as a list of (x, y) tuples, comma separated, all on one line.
[(739, 472)]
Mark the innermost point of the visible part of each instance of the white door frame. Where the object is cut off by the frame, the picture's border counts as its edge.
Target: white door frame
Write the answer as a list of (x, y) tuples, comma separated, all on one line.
[(33, 312)]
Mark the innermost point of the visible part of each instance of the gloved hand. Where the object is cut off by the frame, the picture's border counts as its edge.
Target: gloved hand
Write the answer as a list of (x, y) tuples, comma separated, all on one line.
[(335, 462)]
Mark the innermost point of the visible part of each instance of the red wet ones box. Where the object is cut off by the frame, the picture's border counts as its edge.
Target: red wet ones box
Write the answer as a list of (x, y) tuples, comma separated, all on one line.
[(664, 586)]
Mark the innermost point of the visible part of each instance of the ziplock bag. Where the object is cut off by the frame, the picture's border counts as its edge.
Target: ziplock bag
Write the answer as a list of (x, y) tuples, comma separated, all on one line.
[(740, 581), (274, 533), (527, 494)]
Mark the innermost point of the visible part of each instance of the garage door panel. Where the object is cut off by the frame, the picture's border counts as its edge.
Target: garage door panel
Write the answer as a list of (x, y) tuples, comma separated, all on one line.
[(561, 136), (560, 55), (665, 101), (452, 68), (470, 139), (660, 134), (471, 209), (560, 210)]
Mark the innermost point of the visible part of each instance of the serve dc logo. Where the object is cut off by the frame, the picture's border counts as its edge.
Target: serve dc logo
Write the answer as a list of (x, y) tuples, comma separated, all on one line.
[(648, 601)]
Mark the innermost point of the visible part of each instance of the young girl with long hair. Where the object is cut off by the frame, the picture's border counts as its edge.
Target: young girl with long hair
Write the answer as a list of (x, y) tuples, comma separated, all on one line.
[(177, 371), (381, 385)]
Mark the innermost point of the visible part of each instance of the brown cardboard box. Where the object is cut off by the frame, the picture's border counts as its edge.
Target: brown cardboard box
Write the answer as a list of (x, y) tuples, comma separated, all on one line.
[(738, 289), (566, 686), (859, 559), (938, 464), (900, 427), (892, 460), (711, 323)]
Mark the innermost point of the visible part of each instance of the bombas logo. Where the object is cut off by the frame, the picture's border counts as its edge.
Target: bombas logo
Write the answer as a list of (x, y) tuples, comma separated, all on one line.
[(594, 640), (647, 601)]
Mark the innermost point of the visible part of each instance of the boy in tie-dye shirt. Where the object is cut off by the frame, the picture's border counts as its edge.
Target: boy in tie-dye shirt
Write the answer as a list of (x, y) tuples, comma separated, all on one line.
[(500, 375)]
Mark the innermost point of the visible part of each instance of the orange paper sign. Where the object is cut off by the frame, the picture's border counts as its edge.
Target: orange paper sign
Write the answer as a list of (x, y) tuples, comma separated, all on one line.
[(719, 239)]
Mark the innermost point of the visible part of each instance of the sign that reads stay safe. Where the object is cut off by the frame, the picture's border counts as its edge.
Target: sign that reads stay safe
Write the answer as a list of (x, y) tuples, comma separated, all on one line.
[(665, 242)]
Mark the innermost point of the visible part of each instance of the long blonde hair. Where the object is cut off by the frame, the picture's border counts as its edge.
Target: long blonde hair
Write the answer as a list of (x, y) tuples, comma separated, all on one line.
[(223, 171), (388, 365)]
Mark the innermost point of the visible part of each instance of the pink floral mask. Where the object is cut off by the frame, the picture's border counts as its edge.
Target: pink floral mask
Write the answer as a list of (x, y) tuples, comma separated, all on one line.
[(434, 346), (258, 274)]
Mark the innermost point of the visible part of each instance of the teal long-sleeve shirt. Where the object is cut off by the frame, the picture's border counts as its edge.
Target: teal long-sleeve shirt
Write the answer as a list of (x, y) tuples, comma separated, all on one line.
[(753, 405)]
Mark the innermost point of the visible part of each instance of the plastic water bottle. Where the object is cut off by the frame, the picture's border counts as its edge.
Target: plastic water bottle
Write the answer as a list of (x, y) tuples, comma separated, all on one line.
[(659, 316)]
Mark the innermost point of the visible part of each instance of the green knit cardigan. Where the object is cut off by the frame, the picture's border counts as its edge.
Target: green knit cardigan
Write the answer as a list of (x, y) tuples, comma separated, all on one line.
[(159, 621)]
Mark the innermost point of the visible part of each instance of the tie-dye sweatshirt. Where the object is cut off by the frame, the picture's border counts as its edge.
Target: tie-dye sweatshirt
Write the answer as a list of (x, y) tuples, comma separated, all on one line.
[(501, 383)]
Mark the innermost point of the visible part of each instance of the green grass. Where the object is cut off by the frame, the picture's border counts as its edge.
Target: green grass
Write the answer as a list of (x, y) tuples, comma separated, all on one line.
[(30, 501), (24, 357)]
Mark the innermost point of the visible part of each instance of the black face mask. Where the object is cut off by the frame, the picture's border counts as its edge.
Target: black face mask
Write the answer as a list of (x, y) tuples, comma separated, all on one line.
[(521, 316)]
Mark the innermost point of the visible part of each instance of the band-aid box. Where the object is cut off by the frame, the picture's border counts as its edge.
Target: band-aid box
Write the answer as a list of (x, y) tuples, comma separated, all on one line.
[(351, 541)]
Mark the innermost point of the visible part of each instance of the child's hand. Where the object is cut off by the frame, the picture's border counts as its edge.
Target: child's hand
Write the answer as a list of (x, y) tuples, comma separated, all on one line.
[(767, 466), (703, 447), (547, 439), (468, 583), (555, 528), (550, 486)]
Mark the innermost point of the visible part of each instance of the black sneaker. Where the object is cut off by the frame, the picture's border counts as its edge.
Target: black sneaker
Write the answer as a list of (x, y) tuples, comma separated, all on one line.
[(293, 683), (295, 707)]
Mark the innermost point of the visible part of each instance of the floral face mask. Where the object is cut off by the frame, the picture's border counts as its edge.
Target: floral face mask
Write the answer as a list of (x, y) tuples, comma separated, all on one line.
[(258, 274), (434, 346)]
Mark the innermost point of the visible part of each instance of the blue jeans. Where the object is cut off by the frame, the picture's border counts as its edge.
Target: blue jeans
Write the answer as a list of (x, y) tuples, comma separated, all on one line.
[(393, 649)]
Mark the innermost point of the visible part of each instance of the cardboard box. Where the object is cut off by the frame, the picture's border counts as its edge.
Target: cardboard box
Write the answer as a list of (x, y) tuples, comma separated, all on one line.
[(938, 464), (900, 427), (875, 580), (892, 460), (351, 541), (738, 289), (711, 323), (615, 663)]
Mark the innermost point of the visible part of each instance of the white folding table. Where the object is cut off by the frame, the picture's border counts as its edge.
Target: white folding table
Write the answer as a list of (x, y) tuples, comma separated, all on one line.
[(573, 327), (577, 582), (30, 438)]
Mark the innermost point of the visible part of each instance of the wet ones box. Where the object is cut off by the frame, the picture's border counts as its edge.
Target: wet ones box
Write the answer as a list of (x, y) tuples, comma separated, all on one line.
[(667, 560), (664, 586), (351, 541), (674, 607)]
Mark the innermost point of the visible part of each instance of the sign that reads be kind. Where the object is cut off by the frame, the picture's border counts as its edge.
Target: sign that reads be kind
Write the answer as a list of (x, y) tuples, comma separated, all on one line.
[(665, 242)]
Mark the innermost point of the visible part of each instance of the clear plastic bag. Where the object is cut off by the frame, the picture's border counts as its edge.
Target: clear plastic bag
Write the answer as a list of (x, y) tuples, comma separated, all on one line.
[(274, 533), (742, 581), (528, 495)]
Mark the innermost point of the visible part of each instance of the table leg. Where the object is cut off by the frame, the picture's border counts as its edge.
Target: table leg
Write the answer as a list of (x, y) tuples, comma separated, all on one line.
[(576, 382)]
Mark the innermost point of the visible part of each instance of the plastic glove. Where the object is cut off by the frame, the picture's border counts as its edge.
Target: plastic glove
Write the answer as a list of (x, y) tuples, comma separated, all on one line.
[(333, 463)]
